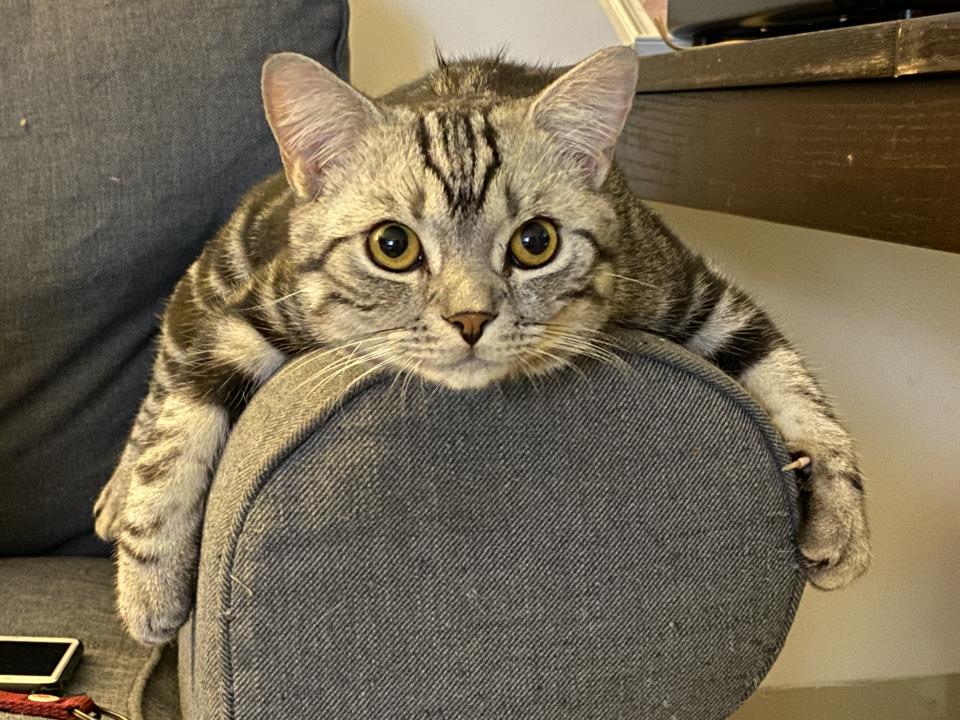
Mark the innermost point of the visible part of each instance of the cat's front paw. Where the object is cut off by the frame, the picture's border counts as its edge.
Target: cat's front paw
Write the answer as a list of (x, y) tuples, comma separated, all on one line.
[(153, 601), (833, 535)]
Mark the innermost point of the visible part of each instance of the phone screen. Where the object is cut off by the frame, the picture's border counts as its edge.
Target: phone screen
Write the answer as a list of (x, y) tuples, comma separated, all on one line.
[(18, 657)]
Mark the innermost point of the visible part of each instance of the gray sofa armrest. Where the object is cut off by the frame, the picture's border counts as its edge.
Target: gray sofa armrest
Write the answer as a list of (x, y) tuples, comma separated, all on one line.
[(612, 543)]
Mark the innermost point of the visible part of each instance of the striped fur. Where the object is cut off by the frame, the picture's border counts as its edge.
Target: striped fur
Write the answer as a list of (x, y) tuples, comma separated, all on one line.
[(464, 157)]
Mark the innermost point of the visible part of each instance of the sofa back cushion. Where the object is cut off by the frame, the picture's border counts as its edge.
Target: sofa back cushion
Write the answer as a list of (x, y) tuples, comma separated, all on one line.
[(129, 130)]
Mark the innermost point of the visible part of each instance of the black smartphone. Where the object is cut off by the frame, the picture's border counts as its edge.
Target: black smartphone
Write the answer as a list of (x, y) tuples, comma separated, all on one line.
[(33, 663)]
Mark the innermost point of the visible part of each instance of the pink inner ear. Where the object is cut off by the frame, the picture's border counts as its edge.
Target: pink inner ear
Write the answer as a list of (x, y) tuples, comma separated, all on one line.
[(586, 108), (315, 117)]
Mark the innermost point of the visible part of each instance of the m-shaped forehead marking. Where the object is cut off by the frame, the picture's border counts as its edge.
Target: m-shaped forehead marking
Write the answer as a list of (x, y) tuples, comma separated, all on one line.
[(460, 149)]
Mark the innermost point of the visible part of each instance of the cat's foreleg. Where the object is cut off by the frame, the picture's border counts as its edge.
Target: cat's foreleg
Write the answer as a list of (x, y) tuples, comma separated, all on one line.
[(211, 360), (727, 328), (108, 509), (157, 536), (833, 531)]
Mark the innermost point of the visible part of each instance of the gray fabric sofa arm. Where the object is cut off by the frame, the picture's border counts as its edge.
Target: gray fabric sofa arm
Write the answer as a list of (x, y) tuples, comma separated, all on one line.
[(615, 542)]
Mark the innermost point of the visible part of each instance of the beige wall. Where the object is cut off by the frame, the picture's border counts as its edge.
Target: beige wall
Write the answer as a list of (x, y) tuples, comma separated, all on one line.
[(881, 325), (392, 41), (880, 322)]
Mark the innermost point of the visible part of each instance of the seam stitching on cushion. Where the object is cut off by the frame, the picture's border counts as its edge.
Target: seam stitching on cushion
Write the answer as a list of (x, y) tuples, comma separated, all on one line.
[(664, 353), (237, 527)]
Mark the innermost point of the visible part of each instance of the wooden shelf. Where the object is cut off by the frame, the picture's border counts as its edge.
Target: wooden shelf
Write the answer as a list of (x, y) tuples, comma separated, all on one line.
[(854, 130)]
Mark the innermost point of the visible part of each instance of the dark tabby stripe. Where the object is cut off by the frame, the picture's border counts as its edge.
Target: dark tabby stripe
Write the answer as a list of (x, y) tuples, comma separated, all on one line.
[(225, 385), (705, 305), (598, 249), (854, 478), (138, 557), (577, 293), (318, 262), (136, 531), (423, 142), (513, 204), (267, 225), (815, 396), (453, 157), (582, 284), (746, 347), (184, 315), (296, 337), (490, 136), (418, 203), (152, 472), (340, 287), (171, 365), (255, 309), (470, 138), (339, 299)]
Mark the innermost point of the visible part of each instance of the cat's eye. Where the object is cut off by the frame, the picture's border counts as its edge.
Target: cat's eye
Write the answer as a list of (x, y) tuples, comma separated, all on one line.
[(534, 243), (394, 247)]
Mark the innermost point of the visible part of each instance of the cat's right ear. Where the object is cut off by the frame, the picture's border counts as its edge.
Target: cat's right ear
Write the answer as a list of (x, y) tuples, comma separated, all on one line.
[(315, 117)]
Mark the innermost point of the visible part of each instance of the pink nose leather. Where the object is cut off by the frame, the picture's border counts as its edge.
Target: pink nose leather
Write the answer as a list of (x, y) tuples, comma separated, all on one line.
[(470, 324)]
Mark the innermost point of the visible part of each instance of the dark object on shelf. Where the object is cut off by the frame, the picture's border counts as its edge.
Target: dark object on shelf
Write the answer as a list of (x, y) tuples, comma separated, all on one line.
[(703, 23), (851, 130)]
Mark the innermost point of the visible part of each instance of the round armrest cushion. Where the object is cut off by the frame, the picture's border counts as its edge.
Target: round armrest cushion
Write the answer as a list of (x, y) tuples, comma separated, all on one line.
[(611, 542)]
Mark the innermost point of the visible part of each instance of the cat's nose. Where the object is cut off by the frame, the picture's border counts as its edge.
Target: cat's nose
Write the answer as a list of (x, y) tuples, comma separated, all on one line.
[(470, 324)]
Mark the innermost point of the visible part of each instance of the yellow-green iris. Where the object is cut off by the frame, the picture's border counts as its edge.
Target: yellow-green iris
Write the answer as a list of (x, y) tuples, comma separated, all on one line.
[(394, 247), (534, 243)]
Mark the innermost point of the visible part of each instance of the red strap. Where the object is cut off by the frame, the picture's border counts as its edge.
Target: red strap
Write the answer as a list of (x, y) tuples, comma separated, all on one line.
[(37, 705)]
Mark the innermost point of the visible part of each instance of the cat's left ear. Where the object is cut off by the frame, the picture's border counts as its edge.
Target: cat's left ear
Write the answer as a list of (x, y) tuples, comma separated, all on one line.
[(586, 108), (315, 116)]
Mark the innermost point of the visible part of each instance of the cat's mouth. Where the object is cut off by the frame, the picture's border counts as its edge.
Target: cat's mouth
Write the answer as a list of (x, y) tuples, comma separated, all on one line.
[(468, 359), (468, 370)]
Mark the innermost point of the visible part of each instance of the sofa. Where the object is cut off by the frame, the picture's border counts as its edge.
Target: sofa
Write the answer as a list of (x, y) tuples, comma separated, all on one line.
[(614, 541)]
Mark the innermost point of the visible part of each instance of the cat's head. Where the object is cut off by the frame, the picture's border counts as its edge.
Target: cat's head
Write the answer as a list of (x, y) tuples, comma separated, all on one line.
[(464, 239)]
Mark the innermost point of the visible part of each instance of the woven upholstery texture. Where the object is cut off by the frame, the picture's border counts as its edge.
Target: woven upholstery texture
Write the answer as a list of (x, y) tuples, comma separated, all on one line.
[(129, 131), (612, 545)]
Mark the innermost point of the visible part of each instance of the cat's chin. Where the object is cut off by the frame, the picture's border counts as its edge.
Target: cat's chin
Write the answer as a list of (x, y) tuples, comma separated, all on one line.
[(471, 374)]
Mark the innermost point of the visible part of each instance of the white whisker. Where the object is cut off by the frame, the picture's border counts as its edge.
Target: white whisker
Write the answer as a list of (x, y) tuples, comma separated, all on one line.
[(340, 366), (559, 360), (276, 300), (634, 280)]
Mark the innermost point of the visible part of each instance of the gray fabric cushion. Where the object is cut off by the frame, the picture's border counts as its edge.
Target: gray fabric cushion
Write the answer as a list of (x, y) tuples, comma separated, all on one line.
[(73, 597), (142, 128), (614, 546)]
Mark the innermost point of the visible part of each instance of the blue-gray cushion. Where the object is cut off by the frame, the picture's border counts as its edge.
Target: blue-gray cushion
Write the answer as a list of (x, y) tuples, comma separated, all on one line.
[(129, 129), (615, 546)]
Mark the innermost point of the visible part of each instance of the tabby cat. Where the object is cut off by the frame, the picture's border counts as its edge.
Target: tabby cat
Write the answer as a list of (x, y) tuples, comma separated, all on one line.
[(467, 228)]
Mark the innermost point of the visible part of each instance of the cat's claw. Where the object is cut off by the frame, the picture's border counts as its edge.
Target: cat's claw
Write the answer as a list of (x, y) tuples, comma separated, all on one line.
[(799, 464)]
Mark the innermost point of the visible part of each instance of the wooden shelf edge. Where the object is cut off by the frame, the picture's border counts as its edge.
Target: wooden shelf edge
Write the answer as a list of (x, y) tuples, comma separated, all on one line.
[(879, 160), (889, 50)]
